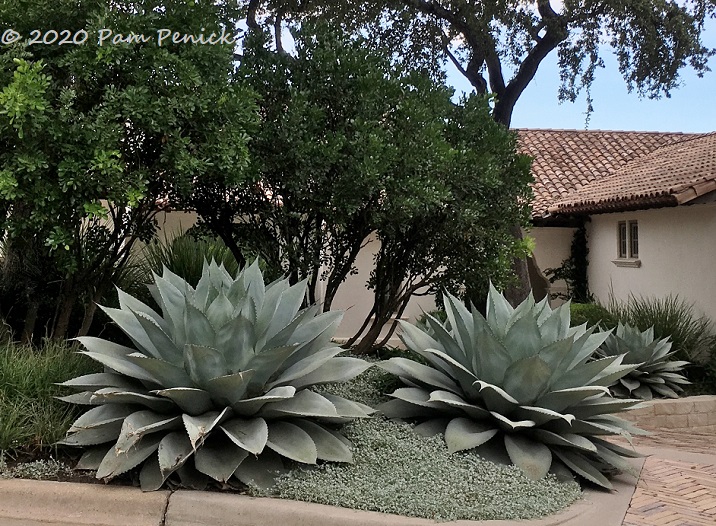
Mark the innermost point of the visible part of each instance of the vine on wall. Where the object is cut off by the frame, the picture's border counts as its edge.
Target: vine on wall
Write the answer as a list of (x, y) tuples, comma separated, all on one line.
[(574, 269)]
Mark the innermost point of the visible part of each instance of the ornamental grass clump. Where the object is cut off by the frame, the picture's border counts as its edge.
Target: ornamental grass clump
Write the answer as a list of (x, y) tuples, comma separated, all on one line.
[(215, 386), (655, 374), (518, 384)]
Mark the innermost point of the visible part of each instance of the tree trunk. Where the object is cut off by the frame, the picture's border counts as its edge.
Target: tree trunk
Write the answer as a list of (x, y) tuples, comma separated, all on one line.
[(521, 289), (89, 315), (67, 302), (233, 247), (30, 322), (516, 293), (313, 287), (388, 301), (365, 346), (365, 323), (394, 325), (341, 272)]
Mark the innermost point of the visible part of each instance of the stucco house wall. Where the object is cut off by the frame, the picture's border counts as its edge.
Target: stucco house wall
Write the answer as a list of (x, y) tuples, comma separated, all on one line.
[(676, 250), (552, 245), (587, 173), (170, 224)]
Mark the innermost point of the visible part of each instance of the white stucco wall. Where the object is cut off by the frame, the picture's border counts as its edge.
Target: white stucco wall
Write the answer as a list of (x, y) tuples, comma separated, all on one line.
[(676, 249), (552, 247)]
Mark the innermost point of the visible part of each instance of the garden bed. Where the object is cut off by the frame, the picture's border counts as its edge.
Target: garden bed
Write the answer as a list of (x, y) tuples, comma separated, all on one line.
[(396, 472)]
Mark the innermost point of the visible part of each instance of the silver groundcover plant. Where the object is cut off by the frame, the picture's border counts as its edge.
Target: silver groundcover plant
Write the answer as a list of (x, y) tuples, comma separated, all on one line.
[(215, 386), (520, 382)]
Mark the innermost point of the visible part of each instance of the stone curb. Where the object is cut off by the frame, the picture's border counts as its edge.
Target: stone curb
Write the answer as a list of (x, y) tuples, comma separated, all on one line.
[(42, 503), (32, 502), (678, 455)]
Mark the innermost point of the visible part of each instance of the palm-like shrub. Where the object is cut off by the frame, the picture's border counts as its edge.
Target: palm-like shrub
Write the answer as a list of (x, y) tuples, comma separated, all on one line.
[(216, 386), (655, 373), (520, 380)]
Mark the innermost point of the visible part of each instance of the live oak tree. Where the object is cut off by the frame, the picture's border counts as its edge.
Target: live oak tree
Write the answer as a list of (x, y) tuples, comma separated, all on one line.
[(93, 138), (499, 45)]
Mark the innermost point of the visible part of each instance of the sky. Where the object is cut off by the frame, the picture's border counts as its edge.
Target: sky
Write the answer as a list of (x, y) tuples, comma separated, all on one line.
[(691, 108)]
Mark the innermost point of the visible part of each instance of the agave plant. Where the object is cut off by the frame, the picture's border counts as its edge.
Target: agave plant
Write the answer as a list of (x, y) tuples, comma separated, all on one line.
[(654, 373), (520, 382), (217, 386)]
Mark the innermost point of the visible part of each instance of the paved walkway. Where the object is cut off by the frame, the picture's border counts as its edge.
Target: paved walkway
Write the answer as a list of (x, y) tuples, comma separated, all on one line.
[(677, 486)]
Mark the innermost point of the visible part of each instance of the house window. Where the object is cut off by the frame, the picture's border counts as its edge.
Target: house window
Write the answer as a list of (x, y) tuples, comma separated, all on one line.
[(633, 239), (627, 244)]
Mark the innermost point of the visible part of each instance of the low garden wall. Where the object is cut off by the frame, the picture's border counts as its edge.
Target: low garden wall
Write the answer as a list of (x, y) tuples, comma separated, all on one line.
[(697, 414)]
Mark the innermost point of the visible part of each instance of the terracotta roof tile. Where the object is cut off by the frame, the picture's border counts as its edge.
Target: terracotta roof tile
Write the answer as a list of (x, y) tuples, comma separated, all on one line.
[(667, 176), (568, 160)]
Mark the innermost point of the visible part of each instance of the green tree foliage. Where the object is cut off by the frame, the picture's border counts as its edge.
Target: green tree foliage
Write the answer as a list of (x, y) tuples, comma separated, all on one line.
[(352, 144), (333, 140), (459, 236), (92, 136), (498, 46)]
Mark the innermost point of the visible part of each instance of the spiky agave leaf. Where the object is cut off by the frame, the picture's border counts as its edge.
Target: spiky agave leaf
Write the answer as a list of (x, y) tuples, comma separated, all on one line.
[(217, 385), (519, 382), (655, 374)]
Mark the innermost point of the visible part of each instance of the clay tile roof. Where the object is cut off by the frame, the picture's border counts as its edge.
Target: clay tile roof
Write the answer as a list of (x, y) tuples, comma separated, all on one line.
[(668, 176), (568, 160)]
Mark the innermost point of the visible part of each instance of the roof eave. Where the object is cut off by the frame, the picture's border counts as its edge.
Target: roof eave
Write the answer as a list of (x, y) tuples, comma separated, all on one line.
[(615, 205)]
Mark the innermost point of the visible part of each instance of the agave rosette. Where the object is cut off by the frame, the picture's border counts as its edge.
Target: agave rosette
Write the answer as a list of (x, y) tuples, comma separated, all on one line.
[(519, 384), (217, 386), (655, 373)]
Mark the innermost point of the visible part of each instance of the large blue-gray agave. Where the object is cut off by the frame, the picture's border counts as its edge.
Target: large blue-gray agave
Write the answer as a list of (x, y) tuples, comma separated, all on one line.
[(655, 373), (216, 386), (519, 381)]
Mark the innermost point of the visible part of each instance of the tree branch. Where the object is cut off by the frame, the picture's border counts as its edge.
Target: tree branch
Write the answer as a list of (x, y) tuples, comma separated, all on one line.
[(251, 15), (432, 8), (277, 31), (454, 60), (472, 72), (474, 40), (494, 70), (556, 33), (545, 10)]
